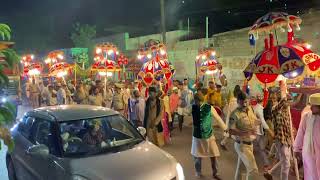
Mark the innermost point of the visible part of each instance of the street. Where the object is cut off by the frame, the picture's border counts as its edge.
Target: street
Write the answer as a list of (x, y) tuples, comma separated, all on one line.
[(180, 149)]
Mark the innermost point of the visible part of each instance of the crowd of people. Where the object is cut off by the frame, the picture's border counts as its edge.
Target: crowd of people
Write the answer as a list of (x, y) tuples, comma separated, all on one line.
[(158, 108), (249, 126)]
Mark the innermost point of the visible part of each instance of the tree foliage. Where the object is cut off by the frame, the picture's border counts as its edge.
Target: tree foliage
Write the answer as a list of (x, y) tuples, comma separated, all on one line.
[(83, 36), (5, 32), (7, 110)]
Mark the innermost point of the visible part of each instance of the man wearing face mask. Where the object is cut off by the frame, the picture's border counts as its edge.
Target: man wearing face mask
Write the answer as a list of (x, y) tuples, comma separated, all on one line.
[(307, 142), (242, 126)]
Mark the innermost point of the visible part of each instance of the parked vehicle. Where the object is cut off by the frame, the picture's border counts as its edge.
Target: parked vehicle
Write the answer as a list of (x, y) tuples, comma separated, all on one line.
[(300, 98), (82, 142)]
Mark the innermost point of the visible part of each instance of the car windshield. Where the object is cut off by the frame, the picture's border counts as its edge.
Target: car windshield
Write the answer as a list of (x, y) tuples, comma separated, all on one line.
[(97, 135)]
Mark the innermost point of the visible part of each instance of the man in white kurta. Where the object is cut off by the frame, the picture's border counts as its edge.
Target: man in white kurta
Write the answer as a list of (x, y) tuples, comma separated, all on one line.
[(307, 142)]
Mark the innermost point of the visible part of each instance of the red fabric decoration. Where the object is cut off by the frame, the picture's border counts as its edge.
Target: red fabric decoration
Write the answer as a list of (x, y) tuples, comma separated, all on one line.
[(266, 44), (290, 35)]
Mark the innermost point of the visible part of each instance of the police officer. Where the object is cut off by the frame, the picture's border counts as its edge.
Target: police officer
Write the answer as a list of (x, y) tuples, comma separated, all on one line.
[(242, 127)]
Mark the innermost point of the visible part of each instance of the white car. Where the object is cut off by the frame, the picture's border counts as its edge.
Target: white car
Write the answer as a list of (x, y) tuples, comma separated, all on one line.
[(81, 142)]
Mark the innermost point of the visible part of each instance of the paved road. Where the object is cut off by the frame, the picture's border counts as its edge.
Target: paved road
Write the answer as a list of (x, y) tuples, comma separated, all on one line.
[(180, 149)]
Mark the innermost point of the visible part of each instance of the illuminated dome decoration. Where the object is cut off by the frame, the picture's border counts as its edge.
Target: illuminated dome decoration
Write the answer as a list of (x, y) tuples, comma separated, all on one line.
[(60, 69), (27, 59), (207, 57), (155, 71), (54, 57), (274, 61), (153, 50), (275, 20), (106, 51), (33, 69)]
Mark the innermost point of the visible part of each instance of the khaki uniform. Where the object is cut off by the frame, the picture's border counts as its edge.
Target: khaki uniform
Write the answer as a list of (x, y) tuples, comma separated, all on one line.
[(34, 95), (244, 121), (119, 103)]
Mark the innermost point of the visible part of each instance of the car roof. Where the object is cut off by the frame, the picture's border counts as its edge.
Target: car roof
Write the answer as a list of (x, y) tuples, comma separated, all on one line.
[(74, 112)]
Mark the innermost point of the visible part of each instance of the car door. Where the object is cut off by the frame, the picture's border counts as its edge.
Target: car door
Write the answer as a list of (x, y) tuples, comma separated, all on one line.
[(36, 165), (22, 142)]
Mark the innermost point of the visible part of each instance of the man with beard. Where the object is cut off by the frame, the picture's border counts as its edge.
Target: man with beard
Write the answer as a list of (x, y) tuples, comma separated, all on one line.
[(307, 142)]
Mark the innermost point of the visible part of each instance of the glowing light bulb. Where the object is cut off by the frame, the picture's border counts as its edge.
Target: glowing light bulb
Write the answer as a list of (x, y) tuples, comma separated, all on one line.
[(98, 50), (32, 56), (294, 74), (162, 52), (117, 53), (109, 74), (149, 56), (139, 56), (62, 73), (213, 53), (60, 56), (308, 46), (102, 73), (110, 52)]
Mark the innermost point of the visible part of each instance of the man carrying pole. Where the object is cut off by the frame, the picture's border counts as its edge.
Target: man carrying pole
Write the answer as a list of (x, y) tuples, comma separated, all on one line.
[(281, 118)]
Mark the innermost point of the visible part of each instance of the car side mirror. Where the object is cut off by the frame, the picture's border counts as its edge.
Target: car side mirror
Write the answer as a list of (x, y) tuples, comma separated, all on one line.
[(38, 150), (142, 131)]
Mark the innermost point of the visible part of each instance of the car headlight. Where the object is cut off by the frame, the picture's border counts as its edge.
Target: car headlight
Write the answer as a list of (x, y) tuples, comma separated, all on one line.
[(180, 173), (78, 177)]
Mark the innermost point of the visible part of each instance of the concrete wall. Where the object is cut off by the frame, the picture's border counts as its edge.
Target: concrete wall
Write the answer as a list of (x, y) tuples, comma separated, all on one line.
[(232, 48), (234, 51), (172, 38)]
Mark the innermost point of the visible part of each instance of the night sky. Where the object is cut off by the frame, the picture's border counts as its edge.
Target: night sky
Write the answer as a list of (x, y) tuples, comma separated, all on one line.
[(42, 25)]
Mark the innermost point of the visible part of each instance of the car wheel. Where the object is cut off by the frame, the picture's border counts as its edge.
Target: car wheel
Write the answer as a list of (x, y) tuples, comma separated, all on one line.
[(11, 171)]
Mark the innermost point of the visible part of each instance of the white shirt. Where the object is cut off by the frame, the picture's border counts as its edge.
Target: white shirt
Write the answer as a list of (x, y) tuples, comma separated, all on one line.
[(61, 95), (258, 111)]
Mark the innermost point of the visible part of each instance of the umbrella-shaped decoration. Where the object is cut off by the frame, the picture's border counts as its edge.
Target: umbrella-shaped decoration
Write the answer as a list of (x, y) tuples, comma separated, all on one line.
[(155, 71), (309, 58), (275, 20), (27, 59), (106, 51), (273, 61), (154, 50), (207, 57), (60, 69), (33, 69), (54, 57)]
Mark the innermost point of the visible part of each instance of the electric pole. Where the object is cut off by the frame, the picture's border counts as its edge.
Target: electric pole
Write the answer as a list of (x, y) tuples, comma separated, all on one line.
[(163, 22)]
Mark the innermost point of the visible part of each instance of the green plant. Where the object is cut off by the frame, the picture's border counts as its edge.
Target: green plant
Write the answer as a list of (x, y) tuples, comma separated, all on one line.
[(5, 32), (7, 110), (83, 36)]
